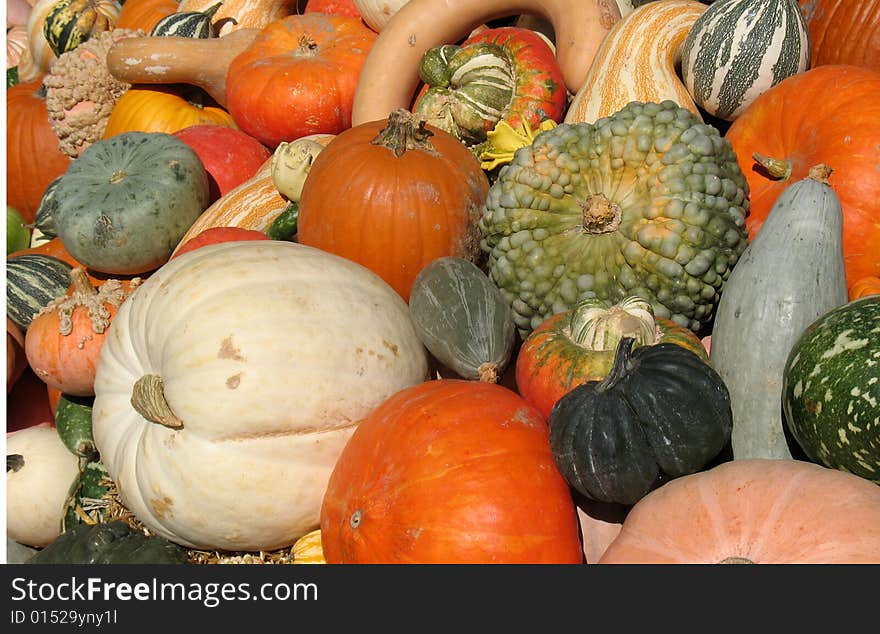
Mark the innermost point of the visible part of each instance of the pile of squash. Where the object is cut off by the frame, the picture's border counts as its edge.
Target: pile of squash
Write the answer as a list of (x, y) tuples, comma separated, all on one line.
[(443, 281)]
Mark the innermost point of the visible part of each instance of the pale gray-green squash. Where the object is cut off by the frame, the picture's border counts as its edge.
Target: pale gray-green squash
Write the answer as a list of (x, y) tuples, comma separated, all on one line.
[(125, 203), (792, 273), (463, 319)]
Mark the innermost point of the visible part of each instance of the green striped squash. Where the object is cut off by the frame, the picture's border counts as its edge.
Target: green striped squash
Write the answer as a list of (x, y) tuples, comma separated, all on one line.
[(740, 48), (32, 281), (69, 23), (831, 389), (45, 217), (194, 24)]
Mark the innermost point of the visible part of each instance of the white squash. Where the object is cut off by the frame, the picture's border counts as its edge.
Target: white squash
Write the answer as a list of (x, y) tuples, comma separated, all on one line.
[(37, 484), (261, 358), (376, 13)]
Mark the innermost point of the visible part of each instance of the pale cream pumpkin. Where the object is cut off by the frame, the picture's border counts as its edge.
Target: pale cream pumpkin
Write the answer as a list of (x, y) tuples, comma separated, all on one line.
[(37, 484), (249, 365), (637, 62)]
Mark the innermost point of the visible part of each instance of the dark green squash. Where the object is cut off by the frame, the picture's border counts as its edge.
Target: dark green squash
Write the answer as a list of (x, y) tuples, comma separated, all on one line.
[(73, 420), (110, 543), (661, 413), (649, 201), (831, 389), (125, 203), (462, 318), (32, 281)]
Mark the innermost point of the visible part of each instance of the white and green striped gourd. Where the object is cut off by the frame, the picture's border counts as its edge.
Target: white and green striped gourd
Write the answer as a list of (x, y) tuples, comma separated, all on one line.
[(194, 24), (740, 48)]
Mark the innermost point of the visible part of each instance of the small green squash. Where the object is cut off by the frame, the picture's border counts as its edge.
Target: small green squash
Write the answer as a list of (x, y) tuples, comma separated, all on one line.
[(831, 389), (69, 23), (738, 49), (44, 221), (32, 281), (662, 412), (791, 274), (649, 201), (462, 318), (73, 420), (109, 543), (126, 202)]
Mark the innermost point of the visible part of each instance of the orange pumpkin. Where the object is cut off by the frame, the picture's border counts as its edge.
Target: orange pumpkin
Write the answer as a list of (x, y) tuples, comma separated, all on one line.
[(16, 362), (64, 340), (144, 14), (802, 122), (865, 286), (394, 195), (33, 156), (754, 511), (449, 471), (843, 32), (159, 108), (298, 77)]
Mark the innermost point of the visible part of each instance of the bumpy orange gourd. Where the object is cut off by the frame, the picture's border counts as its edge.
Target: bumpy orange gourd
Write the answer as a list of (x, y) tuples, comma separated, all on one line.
[(394, 195), (63, 342), (828, 115), (754, 511), (298, 77), (449, 471), (843, 32)]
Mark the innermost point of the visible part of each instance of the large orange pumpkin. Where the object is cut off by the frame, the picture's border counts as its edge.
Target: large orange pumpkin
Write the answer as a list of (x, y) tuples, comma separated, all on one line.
[(33, 156), (298, 77), (159, 108), (829, 115), (843, 32), (394, 195), (754, 511), (144, 14), (449, 471)]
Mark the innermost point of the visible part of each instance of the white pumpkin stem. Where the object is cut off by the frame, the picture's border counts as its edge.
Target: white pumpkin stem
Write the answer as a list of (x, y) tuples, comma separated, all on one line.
[(93, 299), (148, 399)]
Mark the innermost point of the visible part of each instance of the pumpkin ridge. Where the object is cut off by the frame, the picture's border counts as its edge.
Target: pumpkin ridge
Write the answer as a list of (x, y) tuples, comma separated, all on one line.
[(763, 533)]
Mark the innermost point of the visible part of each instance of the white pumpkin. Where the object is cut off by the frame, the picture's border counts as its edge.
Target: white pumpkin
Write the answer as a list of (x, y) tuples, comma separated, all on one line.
[(37, 484), (376, 13), (266, 354)]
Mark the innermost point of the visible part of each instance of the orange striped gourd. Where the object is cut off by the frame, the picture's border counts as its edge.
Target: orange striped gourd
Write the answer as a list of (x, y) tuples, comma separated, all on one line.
[(637, 60)]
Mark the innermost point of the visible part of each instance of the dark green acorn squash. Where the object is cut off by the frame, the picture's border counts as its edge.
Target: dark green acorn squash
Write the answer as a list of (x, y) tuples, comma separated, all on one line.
[(649, 201), (661, 413), (462, 318), (831, 389), (126, 202), (110, 543)]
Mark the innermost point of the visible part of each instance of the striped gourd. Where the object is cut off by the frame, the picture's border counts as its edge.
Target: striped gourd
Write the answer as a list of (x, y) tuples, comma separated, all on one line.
[(740, 48), (32, 281), (196, 24), (637, 62), (247, 14), (255, 204), (40, 53), (69, 23)]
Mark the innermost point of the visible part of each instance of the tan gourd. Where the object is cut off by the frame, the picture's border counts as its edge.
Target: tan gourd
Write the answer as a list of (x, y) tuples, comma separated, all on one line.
[(390, 75), (637, 61), (179, 60)]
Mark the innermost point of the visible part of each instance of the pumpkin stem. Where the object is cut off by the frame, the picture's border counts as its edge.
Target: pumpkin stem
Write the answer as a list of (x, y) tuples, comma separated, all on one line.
[(488, 372), (148, 399), (307, 45), (820, 173), (405, 131), (600, 214), (620, 367), (779, 169), (94, 300), (736, 560)]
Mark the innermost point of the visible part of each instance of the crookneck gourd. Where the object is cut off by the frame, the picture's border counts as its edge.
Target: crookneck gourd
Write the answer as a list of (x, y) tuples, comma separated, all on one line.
[(649, 201)]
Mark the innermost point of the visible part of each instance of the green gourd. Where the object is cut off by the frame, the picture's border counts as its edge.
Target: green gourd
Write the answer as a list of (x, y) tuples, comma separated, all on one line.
[(462, 318), (791, 273), (109, 543), (126, 202)]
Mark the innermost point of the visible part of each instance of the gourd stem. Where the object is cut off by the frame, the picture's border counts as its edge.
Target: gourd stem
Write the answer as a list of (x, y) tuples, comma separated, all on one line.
[(820, 173), (736, 560), (488, 372), (600, 215), (405, 131), (619, 369), (779, 169), (148, 399)]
